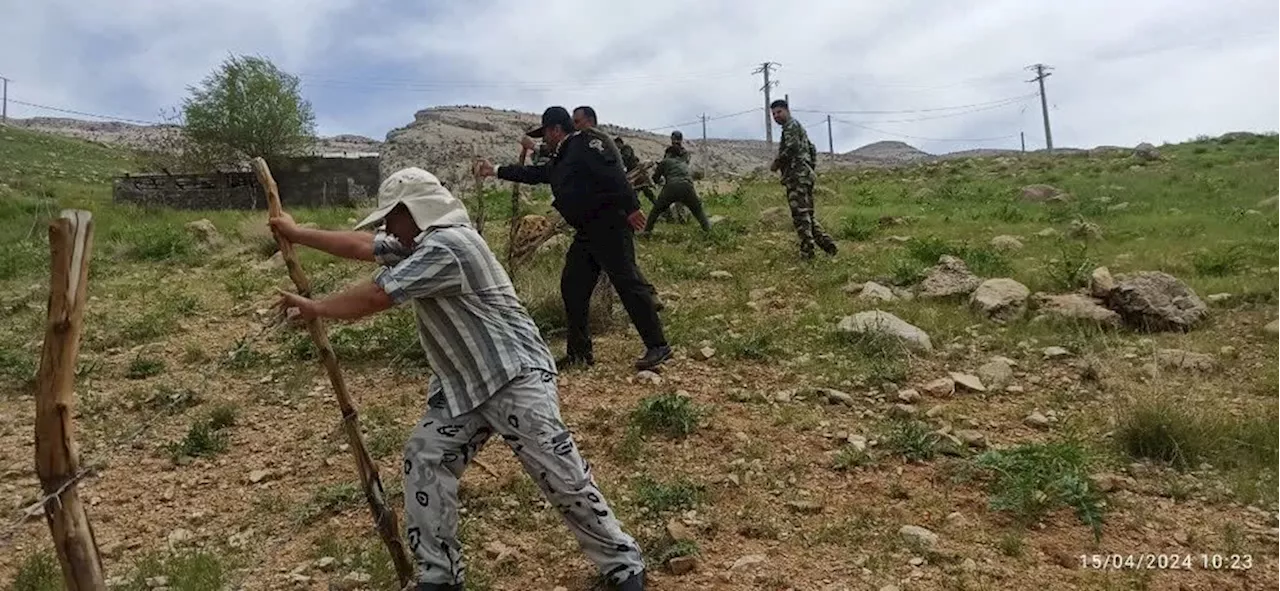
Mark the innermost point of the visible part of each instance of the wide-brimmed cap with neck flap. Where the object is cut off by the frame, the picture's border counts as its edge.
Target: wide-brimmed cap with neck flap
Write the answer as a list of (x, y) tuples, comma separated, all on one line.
[(430, 204)]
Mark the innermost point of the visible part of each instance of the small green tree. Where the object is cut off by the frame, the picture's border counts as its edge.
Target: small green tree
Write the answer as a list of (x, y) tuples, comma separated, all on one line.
[(246, 108)]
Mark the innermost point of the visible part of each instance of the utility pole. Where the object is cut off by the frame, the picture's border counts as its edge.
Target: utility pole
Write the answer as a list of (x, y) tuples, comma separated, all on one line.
[(831, 142), (1042, 72), (704, 129), (4, 103), (765, 68), (1022, 137)]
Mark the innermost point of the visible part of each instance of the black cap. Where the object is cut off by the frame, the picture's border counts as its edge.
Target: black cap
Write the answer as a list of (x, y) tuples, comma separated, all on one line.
[(552, 116), (676, 135)]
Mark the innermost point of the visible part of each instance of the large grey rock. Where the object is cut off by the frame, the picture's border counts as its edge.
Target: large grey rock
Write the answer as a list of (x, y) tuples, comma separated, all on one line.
[(1039, 193), (995, 373), (880, 322), (919, 536), (1101, 283), (1005, 242), (950, 277), (1146, 152), (874, 291), (1151, 300), (1000, 300), (1185, 360)]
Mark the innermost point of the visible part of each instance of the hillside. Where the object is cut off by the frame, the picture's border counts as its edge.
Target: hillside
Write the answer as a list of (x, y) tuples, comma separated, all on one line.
[(787, 447)]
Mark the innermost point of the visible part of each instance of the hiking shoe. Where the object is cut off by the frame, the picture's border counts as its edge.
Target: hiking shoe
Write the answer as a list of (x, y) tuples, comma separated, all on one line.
[(653, 357), (575, 360), (635, 583), (830, 248)]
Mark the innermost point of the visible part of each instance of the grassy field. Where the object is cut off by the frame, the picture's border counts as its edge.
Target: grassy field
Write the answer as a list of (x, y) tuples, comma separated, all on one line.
[(791, 458)]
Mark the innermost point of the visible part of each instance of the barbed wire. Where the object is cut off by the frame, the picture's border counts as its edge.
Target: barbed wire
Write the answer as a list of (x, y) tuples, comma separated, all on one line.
[(83, 113)]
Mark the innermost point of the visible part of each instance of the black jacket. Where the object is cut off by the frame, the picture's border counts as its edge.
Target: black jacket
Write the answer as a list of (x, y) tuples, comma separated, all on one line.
[(587, 181)]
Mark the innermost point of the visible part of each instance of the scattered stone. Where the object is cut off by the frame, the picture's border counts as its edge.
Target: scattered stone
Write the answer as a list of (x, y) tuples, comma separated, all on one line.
[(919, 536), (1217, 298), (1036, 420), (1039, 193), (877, 321), (950, 277), (682, 565), (647, 376), (835, 396), (747, 561), (1152, 300), (158, 581), (1083, 229), (805, 507), (1268, 202), (972, 438), (1186, 360), (968, 382), (716, 219), (996, 373), (1273, 327), (760, 293), (1076, 307), (326, 563), (679, 532), (704, 353), (358, 577), (1006, 242), (900, 239), (904, 411), (1055, 352), (1101, 283), (941, 387), (1123, 205), (915, 561), (1000, 300), (874, 291), (719, 274), (852, 287), (257, 476), (909, 396), (1048, 233), (1146, 152), (857, 442), (204, 232), (969, 565), (497, 551), (179, 537)]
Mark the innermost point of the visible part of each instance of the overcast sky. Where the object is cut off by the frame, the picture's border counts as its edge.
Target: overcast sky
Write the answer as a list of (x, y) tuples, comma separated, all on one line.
[(1124, 72)]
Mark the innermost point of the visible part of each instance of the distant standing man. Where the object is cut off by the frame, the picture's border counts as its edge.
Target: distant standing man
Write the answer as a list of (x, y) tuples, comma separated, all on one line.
[(796, 159), (677, 186), (591, 192)]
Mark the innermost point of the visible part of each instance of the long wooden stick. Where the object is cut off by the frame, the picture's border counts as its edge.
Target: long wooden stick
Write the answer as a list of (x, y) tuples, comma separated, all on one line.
[(57, 456), (384, 518), (515, 218)]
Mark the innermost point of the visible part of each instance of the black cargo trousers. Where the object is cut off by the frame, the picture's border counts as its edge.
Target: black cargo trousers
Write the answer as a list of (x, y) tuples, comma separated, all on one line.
[(606, 244)]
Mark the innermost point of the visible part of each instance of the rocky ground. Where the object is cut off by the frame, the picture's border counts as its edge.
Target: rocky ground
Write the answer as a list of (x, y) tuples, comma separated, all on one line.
[(1052, 373)]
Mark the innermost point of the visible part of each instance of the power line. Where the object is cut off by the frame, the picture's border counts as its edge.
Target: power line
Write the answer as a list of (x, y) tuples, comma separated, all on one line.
[(927, 139), (437, 85), (84, 114), (998, 102), (1010, 103), (702, 119)]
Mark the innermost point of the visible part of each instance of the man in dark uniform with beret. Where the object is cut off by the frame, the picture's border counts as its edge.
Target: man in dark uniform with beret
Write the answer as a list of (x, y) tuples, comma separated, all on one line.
[(591, 192)]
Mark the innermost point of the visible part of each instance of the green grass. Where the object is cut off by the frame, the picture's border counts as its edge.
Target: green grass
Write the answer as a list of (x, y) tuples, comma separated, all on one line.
[(38, 572), (665, 497), (912, 439), (1030, 480), (198, 570), (668, 414), (207, 436), (144, 367)]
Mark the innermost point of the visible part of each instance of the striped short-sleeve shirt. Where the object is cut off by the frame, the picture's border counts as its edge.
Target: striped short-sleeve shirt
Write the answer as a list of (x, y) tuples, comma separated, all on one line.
[(475, 332)]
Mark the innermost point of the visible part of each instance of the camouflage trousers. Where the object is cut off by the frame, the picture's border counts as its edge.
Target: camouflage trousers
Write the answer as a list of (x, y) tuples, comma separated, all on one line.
[(808, 230), (526, 414)]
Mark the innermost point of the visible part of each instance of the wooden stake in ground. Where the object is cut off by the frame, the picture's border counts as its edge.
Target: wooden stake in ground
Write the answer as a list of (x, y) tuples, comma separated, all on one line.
[(57, 457), (384, 518), (479, 184), (515, 218)]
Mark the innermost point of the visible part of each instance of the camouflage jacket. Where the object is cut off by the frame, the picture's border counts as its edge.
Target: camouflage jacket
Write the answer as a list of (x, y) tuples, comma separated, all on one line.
[(797, 156), (679, 152), (672, 169)]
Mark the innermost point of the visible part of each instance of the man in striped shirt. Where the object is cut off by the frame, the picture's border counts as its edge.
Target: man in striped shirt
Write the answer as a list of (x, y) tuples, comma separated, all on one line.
[(491, 373)]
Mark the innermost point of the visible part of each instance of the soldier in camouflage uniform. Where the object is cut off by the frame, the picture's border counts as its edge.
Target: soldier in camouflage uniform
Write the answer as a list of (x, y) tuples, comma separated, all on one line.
[(630, 161), (797, 157), (677, 187)]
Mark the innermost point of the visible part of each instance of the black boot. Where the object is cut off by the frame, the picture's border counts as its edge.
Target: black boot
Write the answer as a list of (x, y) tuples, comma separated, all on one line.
[(635, 583), (830, 248), (653, 357), (445, 587), (575, 360)]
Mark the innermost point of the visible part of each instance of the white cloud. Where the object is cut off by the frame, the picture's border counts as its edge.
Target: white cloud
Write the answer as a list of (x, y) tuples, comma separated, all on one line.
[(1125, 72)]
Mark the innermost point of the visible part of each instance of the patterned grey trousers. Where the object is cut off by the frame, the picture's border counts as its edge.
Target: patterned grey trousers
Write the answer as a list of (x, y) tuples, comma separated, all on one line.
[(526, 413)]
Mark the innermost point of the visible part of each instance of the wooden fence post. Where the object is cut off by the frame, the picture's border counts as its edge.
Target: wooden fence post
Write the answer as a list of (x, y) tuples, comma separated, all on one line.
[(384, 517), (57, 456)]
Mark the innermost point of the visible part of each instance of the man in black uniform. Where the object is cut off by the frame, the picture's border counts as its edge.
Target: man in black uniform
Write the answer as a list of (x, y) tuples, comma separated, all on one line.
[(591, 192)]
